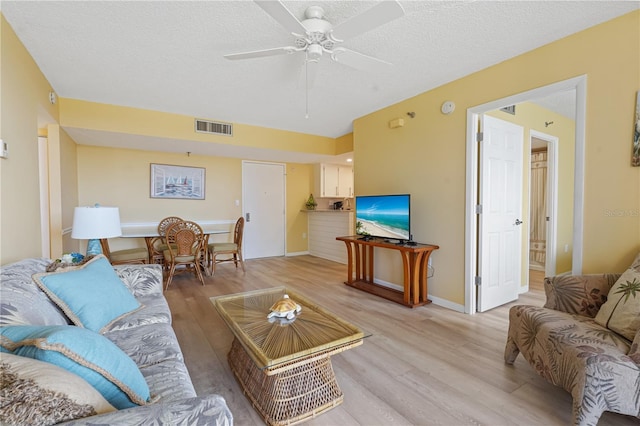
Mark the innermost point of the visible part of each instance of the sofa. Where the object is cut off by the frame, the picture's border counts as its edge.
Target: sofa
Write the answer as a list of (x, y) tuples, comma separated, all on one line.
[(585, 339), (60, 364)]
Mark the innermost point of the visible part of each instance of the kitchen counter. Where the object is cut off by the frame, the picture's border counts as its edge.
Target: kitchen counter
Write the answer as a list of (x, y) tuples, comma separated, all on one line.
[(324, 226)]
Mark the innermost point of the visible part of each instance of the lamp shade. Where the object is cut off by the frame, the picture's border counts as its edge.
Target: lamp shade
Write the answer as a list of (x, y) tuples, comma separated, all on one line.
[(96, 222)]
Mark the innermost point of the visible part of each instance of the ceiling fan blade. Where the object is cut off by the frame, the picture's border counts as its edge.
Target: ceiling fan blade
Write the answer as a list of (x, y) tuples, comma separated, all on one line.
[(380, 14), (262, 53), (280, 13), (360, 61)]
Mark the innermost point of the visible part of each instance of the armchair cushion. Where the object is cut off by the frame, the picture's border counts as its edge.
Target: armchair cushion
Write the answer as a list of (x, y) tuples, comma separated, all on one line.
[(578, 294), (621, 312), (634, 351)]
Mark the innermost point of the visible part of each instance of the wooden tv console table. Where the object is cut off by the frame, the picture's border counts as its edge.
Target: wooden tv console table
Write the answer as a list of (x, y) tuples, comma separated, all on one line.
[(415, 259)]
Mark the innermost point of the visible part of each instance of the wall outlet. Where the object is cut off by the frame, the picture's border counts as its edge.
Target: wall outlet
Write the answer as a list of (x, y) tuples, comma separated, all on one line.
[(304, 235), (4, 149), (566, 248)]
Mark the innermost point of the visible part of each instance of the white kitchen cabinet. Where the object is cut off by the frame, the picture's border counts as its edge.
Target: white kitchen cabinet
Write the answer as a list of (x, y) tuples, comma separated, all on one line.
[(345, 181), (333, 180)]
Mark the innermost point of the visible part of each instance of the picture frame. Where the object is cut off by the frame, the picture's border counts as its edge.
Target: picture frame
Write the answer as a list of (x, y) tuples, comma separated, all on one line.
[(635, 149), (178, 182)]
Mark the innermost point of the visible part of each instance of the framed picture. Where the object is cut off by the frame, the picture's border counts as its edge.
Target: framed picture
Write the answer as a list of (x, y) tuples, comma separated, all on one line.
[(635, 155), (177, 182)]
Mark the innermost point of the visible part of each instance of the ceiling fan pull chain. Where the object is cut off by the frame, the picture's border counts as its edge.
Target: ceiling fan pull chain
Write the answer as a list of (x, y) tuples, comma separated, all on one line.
[(306, 86)]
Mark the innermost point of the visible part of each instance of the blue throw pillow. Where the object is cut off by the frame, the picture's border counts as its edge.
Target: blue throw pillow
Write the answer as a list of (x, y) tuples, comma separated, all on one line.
[(92, 295), (87, 354)]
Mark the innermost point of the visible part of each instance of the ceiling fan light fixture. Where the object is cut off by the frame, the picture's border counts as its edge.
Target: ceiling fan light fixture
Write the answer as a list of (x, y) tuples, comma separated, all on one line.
[(314, 51)]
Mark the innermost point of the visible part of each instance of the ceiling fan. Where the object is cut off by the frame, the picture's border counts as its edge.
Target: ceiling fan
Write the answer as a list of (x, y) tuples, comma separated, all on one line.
[(315, 36)]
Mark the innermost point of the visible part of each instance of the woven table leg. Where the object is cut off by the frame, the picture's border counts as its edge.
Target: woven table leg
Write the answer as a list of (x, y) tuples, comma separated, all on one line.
[(291, 396)]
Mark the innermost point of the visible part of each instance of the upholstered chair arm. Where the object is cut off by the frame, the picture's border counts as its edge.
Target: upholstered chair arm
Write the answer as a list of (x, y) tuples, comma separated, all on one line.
[(578, 294), (634, 352), (141, 280)]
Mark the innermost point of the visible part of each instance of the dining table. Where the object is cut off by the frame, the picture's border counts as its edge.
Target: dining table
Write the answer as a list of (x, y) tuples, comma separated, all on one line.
[(151, 236)]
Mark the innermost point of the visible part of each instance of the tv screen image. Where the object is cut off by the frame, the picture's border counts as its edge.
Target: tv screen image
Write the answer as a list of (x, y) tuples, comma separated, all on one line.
[(386, 216)]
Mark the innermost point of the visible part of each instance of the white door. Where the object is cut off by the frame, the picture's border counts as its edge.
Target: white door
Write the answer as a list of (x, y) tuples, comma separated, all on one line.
[(263, 193), (500, 221)]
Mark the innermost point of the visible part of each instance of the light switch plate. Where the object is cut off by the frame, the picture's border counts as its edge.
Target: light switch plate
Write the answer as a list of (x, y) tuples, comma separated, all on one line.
[(4, 149)]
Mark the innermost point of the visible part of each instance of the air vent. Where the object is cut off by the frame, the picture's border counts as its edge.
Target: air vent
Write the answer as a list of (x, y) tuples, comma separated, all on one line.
[(212, 127)]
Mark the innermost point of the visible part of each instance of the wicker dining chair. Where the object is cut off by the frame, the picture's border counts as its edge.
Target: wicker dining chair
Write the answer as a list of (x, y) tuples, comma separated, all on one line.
[(158, 245), (126, 256), (233, 250), (185, 241)]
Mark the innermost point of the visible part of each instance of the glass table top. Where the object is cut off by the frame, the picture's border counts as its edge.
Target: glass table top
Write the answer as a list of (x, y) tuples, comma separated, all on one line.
[(274, 341)]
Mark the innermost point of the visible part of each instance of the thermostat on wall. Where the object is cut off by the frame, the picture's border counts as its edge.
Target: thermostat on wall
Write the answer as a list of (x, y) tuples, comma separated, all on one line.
[(4, 149)]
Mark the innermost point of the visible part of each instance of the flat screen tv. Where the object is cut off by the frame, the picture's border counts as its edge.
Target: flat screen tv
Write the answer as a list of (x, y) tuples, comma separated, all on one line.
[(385, 216)]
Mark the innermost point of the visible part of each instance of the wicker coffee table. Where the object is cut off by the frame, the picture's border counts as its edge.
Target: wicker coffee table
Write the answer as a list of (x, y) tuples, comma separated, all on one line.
[(284, 366)]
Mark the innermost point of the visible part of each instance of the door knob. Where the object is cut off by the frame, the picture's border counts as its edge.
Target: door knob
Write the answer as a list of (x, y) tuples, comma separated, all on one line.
[(248, 217), (518, 222)]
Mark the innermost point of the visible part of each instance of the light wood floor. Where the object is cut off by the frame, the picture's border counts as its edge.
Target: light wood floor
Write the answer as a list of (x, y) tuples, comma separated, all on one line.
[(422, 366)]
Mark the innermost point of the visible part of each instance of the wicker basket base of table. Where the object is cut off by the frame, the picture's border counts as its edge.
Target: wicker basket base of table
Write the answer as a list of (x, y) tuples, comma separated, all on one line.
[(291, 395)]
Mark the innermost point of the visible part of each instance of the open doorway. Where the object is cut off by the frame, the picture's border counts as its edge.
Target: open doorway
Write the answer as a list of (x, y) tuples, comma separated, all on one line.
[(543, 202), (474, 180)]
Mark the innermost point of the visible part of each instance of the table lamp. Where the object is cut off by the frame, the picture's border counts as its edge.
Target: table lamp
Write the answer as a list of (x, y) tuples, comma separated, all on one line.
[(93, 223)]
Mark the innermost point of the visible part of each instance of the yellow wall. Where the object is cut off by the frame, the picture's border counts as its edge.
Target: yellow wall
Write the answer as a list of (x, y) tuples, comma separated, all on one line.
[(344, 143), (426, 157), (68, 192), (120, 177), (134, 121), (299, 186), (24, 99)]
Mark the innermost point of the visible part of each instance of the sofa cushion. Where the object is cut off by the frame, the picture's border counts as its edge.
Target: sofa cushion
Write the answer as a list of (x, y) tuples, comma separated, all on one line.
[(169, 380), (154, 310), (147, 344), (621, 312), (205, 410), (91, 295), (85, 353), (21, 300), (36, 392)]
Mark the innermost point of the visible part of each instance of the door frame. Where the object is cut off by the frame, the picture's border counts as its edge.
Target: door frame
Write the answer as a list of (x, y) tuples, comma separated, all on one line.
[(579, 84), (552, 201), (43, 181)]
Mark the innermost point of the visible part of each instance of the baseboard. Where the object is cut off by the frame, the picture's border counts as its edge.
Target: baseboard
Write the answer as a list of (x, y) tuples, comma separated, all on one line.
[(434, 300), (447, 304), (296, 253)]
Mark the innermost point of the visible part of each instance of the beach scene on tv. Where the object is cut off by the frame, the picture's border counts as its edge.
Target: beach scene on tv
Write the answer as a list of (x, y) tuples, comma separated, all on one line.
[(385, 216)]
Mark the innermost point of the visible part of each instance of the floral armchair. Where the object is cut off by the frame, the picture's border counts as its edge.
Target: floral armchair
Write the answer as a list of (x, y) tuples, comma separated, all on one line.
[(566, 343)]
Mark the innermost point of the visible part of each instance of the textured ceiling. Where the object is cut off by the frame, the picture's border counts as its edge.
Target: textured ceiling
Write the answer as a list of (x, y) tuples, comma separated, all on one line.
[(168, 55)]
